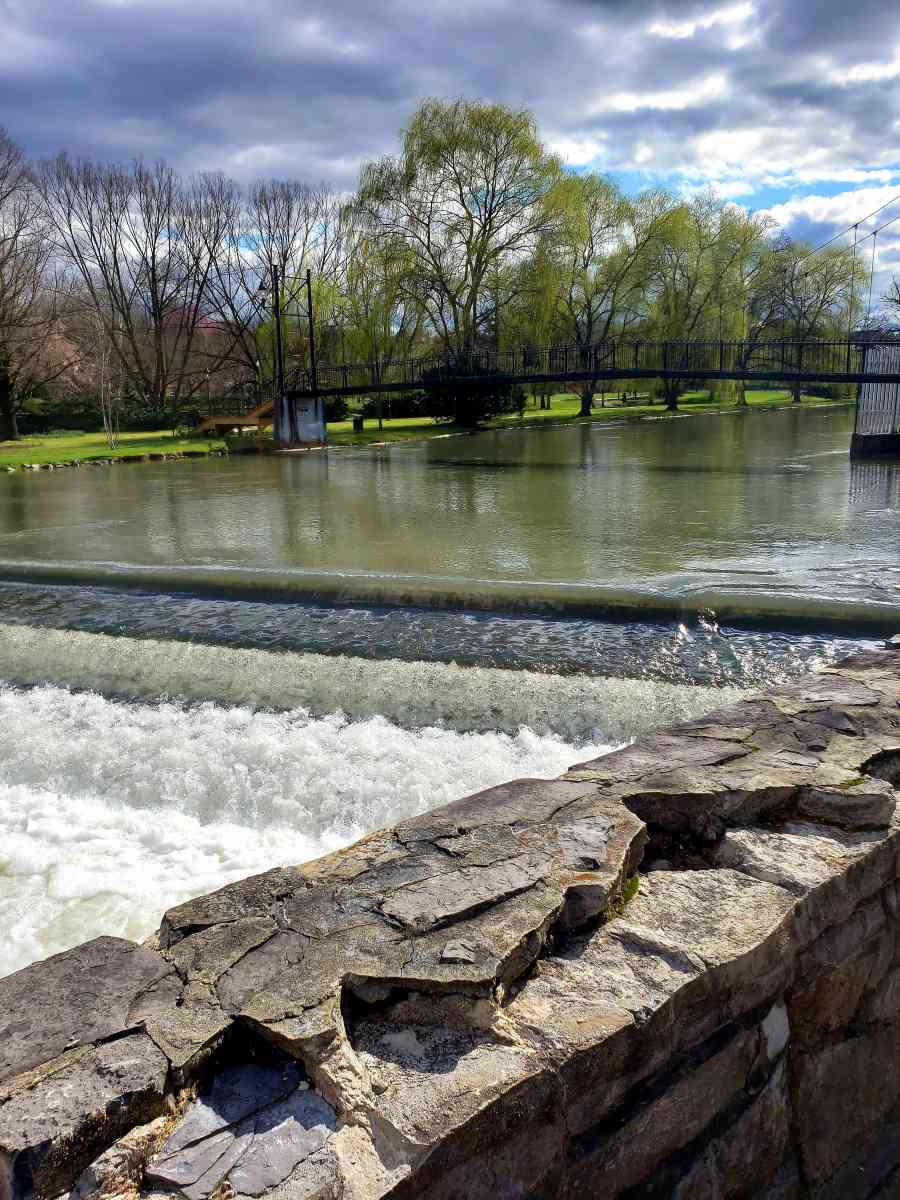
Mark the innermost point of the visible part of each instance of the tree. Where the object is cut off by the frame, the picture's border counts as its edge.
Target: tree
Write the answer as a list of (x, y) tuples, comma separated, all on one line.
[(468, 194), (381, 321), (598, 259), (803, 295), (142, 244), (467, 393), (32, 352), (279, 227), (698, 272)]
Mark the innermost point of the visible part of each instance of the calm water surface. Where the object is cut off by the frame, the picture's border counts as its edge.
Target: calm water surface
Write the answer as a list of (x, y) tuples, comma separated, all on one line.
[(745, 514)]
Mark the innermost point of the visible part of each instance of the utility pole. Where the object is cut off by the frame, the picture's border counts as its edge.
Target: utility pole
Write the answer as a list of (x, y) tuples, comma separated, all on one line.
[(312, 334), (278, 411), (313, 373)]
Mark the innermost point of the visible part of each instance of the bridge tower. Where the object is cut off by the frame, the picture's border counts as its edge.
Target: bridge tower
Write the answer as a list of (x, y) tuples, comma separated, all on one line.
[(877, 430)]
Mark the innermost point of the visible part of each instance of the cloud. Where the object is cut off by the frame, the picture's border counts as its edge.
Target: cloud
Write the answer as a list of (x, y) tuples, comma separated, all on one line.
[(732, 14), (816, 218), (754, 97), (691, 95)]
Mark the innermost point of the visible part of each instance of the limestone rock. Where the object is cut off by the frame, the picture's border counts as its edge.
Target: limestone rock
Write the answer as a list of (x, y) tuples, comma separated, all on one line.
[(254, 1126), (493, 873), (852, 1076), (73, 999), (50, 1132), (478, 1002)]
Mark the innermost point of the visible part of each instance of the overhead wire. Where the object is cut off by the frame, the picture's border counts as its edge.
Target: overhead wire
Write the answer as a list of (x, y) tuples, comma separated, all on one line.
[(855, 225)]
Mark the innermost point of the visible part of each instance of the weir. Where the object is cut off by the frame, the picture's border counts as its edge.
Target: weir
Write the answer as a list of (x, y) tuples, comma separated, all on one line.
[(671, 972)]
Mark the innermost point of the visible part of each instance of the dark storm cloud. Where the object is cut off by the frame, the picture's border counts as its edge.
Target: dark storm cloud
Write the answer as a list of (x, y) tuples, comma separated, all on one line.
[(730, 92)]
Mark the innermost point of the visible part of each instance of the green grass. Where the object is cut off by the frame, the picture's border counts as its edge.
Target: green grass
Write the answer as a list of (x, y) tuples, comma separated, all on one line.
[(81, 447), (564, 410)]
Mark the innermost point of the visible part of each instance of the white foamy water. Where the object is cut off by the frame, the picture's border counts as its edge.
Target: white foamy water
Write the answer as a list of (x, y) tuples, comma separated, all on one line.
[(113, 809)]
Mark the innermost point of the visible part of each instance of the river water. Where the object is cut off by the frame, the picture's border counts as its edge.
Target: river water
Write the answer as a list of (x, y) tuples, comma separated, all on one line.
[(210, 668)]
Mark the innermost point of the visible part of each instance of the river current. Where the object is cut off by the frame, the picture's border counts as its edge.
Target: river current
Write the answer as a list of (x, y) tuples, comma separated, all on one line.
[(209, 669)]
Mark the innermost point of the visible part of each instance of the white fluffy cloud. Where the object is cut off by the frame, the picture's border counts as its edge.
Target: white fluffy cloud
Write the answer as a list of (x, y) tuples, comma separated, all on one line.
[(767, 100)]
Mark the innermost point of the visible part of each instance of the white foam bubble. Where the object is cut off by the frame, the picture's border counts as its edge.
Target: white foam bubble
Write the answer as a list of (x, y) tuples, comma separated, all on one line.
[(580, 708), (111, 811)]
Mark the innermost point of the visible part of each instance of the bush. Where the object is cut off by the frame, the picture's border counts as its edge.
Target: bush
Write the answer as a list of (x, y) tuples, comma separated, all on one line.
[(336, 408), (61, 413), (397, 404), (467, 393)]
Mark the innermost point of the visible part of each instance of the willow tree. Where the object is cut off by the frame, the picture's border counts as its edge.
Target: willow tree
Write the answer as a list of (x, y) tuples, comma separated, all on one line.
[(467, 196), (700, 272), (380, 320), (598, 259)]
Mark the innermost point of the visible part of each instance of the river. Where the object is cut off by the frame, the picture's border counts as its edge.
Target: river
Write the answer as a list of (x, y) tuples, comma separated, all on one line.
[(210, 668)]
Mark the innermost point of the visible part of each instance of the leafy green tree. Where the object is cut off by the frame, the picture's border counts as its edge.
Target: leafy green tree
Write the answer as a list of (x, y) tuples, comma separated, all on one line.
[(467, 393), (598, 258), (698, 276), (468, 195)]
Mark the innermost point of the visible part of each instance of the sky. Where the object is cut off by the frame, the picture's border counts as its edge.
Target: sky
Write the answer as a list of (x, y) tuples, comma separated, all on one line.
[(791, 107)]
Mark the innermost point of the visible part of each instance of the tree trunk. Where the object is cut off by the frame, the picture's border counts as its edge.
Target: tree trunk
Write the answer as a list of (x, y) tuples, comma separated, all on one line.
[(741, 400), (670, 393), (587, 402), (9, 427)]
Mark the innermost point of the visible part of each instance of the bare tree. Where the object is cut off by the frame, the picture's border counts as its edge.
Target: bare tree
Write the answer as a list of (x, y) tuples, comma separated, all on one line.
[(803, 295), (141, 242), (276, 231), (31, 351)]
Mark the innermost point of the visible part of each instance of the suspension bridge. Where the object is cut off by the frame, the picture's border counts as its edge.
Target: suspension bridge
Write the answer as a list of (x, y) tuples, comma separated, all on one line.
[(870, 361)]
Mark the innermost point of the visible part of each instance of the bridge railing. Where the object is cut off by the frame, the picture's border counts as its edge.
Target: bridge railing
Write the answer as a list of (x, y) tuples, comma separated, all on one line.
[(610, 359)]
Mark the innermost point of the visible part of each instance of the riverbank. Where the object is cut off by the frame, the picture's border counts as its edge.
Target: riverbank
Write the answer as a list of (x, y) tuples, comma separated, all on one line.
[(67, 449), (564, 410), (70, 449)]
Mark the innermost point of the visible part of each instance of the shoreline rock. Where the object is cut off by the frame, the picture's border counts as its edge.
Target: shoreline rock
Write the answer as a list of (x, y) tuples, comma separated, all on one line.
[(489, 1000)]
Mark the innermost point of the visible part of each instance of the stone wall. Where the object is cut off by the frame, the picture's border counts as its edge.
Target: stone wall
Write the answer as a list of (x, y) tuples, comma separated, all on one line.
[(674, 972)]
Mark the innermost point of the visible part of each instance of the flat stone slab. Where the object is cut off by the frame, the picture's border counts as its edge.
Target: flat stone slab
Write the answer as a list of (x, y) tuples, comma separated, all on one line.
[(249, 1131), (73, 999), (462, 899), (815, 749), (51, 1129)]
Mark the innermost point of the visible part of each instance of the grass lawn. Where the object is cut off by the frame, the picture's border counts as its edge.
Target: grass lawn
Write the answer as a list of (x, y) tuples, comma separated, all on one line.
[(78, 447), (74, 447), (563, 410)]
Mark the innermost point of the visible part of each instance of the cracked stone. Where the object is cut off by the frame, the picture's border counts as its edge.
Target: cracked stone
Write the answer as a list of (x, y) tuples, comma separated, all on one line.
[(75, 998), (251, 1129), (53, 1130)]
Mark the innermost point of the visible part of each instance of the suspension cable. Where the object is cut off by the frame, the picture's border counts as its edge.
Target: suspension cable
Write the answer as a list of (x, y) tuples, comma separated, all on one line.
[(852, 286), (871, 276)]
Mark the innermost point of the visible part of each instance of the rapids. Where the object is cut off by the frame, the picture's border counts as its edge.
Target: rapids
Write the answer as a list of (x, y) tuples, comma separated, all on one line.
[(150, 771)]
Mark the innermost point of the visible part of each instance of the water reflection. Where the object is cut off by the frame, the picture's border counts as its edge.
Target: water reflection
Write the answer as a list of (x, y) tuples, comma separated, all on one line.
[(875, 485), (744, 513)]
